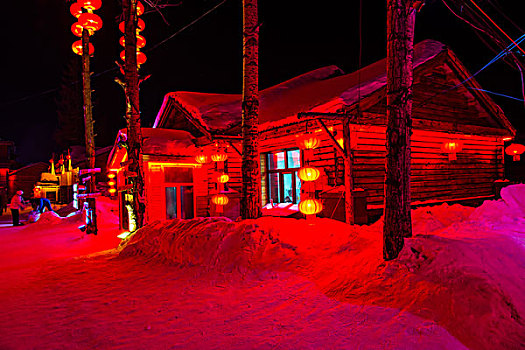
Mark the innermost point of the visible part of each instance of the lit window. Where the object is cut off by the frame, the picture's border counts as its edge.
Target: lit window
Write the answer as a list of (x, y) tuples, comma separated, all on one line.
[(283, 185)]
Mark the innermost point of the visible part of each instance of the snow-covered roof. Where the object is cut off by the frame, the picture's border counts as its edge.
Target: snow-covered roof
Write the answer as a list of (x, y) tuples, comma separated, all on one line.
[(165, 142), (322, 90)]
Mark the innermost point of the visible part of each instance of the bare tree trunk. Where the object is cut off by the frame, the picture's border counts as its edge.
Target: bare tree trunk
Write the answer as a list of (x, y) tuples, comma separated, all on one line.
[(400, 37), (89, 133), (349, 178), (251, 172), (129, 8)]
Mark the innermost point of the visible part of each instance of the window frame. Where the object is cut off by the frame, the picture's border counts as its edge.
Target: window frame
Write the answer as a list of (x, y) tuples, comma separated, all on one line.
[(280, 173)]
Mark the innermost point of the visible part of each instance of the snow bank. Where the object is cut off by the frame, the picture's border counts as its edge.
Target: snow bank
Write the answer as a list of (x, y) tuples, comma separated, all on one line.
[(464, 268)]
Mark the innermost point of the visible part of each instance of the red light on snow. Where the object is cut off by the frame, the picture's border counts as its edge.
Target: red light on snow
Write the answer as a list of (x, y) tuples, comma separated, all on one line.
[(310, 206), (75, 9), (515, 150), (77, 48)]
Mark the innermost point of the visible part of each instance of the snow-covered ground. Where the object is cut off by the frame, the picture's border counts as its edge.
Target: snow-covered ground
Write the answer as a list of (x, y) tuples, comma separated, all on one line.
[(211, 283)]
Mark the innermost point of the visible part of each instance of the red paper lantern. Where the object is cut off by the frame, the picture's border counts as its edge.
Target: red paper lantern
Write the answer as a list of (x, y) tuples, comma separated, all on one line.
[(308, 173), (309, 141), (90, 21), (310, 206), (201, 158), (140, 8), (76, 28), (219, 156), (75, 9), (141, 42), (452, 147), (77, 48), (90, 5), (141, 57), (223, 178), (140, 26), (220, 199), (515, 150)]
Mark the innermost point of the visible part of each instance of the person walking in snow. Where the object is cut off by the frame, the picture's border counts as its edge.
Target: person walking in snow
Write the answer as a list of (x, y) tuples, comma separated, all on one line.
[(17, 203)]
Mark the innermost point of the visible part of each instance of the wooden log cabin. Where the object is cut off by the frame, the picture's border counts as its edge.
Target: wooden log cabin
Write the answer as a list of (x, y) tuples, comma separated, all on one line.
[(457, 140)]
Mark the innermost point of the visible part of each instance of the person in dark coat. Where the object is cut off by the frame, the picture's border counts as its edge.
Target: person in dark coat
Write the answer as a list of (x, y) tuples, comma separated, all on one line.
[(41, 204)]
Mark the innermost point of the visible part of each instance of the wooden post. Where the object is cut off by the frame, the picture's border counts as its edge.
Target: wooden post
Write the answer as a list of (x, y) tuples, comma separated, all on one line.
[(89, 133), (349, 179), (251, 172), (400, 37), (134, 133)]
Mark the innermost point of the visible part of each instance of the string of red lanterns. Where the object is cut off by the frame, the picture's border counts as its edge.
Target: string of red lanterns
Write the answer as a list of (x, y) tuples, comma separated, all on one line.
[(309, 206), (85, 21), (141, 41)]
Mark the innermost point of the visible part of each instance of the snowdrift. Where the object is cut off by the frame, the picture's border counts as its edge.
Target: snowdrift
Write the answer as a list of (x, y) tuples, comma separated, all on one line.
[(464, 268)]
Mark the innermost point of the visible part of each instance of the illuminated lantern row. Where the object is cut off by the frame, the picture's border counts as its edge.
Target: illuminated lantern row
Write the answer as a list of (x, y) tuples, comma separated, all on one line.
[(308, 174), (515, 150), (85, 20), (141, 42), (112, 183), (452, 147)]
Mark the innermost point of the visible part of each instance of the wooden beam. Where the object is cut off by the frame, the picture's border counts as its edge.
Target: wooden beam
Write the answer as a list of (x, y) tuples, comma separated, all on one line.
[(332, 138), (316, 115)]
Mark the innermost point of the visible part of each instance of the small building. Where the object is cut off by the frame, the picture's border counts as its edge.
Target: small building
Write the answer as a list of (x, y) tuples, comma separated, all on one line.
[(457, 141)]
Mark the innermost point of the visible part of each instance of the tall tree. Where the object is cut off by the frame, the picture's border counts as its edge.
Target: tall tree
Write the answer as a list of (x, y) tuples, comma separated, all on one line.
[(69, 107), (89, 132), (131, 89), (400, 48), (251, 172)]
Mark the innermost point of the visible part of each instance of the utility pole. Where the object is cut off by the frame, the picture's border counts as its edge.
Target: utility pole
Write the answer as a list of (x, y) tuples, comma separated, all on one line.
[(400, 50), (251, 172), (134, 133), (91, 213)]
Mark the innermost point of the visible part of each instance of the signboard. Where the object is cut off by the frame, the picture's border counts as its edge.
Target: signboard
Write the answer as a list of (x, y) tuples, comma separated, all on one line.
[(88, 171), (88, 195)]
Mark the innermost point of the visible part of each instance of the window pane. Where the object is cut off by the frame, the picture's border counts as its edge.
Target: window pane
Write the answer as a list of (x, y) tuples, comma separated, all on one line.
[(273, 187), (297, 188), (186, 202), (294, 158), (171, 202), (276, 160), (288, 188)]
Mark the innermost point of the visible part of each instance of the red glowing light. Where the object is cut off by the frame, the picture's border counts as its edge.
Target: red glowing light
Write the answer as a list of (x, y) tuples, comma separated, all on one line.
[(90, 21), (515, 150), (220, 199), (141, 57), (141, 42), (90, 5), (140, 26), (309, 141), (75, 9), (76, 28), (77, 48), (308, 173), (310, 206), (201, 158), (223, 178), (140, 8)]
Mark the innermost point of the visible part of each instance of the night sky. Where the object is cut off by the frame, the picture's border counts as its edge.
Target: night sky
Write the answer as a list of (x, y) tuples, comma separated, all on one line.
[(295, 37)]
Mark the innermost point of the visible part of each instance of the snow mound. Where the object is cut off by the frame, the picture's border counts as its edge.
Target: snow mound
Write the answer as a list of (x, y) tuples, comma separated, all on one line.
[(215, 243)]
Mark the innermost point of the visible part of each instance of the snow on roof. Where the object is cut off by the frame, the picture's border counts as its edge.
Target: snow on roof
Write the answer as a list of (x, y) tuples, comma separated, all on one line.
[(322, 90)]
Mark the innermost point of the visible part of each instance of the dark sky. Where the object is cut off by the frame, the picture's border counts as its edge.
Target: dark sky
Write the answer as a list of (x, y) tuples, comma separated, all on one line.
[(295, 37)]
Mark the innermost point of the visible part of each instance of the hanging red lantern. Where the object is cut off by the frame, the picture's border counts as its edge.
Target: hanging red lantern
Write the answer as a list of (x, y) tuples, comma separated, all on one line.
[(90, 21), (308, 173), (219, 156), (140, 26), (309, 141), (452, 147), (310, 206), (90, 5), (141, 57), (75, 9), (220, 199), (76, 28), (515, 150), (201, 158), (223, 178), (141, 42), (140, 8), (77, 48)]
